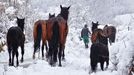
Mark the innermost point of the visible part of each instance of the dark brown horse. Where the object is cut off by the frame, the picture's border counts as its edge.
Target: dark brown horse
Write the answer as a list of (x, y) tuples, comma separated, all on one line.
[(99, 49), (40, 32), (58, 30), (15, 38), (110, 32)]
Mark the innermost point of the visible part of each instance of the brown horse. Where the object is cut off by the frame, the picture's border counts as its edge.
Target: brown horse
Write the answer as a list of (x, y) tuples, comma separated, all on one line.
[(110, 32), (58, 30), (40, 32)]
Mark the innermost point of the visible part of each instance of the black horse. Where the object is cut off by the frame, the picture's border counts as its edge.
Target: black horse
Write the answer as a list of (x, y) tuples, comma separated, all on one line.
[(99, 52), (16, 38)]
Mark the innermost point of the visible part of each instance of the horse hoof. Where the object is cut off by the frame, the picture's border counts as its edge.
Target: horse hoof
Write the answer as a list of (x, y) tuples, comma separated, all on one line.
[(33, 57), (60, 65), (21, 60), (43, 58), (10, 64), (63, 59)]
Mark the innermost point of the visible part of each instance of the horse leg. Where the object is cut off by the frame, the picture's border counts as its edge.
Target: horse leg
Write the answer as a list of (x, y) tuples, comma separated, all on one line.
[(9, 51), (17, 54), (63, 55), (42, 50), (35, 47), (50, 53), (46, 50), (59, 54), (55, 54), (102, 64), (13, 54), (22, 53), (110, 41), (93, 65), (107, 63)]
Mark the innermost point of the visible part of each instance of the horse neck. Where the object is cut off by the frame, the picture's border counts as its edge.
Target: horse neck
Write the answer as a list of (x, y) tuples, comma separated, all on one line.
[(21, 27), (94, 27), (65, 16), (103, 39)]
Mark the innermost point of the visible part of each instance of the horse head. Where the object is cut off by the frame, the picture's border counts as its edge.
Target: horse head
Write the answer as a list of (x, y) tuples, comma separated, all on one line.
[(51, 16), (94, 25), (64, 12), (21, 23)]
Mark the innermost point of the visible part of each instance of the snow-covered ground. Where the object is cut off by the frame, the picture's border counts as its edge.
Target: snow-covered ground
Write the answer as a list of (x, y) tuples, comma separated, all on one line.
[(118, 13)]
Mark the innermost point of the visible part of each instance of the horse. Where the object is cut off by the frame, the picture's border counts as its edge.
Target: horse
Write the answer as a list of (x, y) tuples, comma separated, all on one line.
[(15, 38), (99, 50), (40, 32), (110, 32), (58, 30), (63, 33), (94, 26)]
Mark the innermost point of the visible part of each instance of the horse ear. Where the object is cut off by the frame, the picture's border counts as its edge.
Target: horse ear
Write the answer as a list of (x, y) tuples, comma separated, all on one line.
[(92, 22), (17, 18), (23, 18), (97, 22), (54, 14), (61, 6), (49, 14), (69, 7)]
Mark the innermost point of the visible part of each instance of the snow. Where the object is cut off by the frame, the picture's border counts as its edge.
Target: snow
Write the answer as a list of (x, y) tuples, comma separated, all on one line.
[(118, 13)]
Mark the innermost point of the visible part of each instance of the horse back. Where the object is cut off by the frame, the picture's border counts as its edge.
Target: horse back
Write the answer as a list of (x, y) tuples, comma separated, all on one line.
[(63, 29), (95, 34), (99, 51), (110, 30), (15, 36)]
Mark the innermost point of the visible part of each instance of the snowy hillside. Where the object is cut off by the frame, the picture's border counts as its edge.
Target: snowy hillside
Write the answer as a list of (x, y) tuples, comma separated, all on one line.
[(119, 13)]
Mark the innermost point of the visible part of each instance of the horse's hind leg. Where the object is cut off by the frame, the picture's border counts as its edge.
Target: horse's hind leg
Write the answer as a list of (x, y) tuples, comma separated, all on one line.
[(22, 53), (46, 50), (55, 54), (63, 54), (17, 54), (9, 51), (59, 55), (13, 54), (43, 50), (107, 63), (102, 64)]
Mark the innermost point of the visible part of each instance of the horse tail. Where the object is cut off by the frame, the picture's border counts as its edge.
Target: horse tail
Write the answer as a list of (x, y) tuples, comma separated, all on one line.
[(113, 34), (55, 36), (39, 35)]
